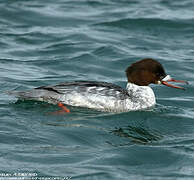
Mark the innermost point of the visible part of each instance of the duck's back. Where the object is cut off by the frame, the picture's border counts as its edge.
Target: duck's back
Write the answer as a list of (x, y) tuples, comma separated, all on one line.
[(98, 95)]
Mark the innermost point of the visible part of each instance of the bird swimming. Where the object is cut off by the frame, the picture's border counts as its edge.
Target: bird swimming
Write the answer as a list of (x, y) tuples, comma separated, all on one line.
[(105, 96)]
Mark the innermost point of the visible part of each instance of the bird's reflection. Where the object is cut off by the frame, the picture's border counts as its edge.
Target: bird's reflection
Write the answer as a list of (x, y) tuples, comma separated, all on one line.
[(138, 135)]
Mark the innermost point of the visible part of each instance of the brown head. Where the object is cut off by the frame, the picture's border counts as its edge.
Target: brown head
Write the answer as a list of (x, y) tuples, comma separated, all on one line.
[(149, 71)]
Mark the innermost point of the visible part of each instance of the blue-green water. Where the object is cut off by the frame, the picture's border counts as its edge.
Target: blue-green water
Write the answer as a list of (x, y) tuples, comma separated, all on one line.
[(47, 42)]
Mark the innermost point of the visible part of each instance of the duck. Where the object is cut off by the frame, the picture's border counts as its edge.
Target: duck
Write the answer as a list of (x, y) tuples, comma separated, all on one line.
[(104, 96)]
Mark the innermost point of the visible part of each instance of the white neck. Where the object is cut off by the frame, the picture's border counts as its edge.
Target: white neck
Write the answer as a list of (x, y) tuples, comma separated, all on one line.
[(141, 97)]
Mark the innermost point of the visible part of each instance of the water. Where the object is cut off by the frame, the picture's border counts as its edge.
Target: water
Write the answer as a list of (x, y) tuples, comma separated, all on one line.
[(47, 42)]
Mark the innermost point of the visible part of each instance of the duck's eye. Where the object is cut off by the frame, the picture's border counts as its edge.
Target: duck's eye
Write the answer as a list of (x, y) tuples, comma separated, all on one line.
[(158, 74)]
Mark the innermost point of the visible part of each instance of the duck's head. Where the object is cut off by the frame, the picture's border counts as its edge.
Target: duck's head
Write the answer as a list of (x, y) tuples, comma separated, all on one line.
[(149, 71)]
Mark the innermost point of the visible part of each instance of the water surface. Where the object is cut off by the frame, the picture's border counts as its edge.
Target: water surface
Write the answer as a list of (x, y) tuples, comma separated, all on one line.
[(47, 42)]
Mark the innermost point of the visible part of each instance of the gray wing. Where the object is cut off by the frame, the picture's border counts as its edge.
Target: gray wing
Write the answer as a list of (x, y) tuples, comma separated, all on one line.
[(53, 94), (87, 87)]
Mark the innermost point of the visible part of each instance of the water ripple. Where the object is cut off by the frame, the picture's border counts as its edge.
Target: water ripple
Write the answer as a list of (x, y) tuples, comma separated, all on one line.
[(48, 42)]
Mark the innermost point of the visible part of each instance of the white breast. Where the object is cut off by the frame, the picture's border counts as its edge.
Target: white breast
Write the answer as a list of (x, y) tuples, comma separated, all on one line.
[(142, 97)]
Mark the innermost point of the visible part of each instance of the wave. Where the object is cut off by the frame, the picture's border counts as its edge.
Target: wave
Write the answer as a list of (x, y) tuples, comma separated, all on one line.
[(148, 22)]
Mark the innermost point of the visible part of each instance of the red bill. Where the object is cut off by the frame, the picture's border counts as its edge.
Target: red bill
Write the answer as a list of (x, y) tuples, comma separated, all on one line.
[(169, 79)]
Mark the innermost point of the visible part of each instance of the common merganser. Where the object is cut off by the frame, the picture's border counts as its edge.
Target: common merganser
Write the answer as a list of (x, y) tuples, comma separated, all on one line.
[(105, 96)]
